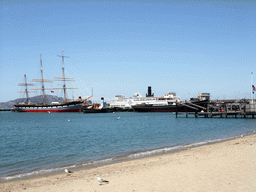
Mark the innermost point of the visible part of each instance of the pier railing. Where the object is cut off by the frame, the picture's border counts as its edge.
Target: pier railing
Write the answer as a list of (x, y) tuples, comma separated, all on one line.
[(251, 108), (232, 108)]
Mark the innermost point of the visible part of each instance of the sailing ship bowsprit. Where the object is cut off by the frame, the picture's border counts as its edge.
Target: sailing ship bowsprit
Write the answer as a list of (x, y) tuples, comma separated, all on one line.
[(65, 106)]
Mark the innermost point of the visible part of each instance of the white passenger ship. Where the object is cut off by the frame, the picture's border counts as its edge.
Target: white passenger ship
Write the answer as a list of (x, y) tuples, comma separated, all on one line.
[(123, 103)]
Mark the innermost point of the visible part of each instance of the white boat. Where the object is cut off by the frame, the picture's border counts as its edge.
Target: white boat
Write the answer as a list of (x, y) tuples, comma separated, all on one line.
[(124, 103)]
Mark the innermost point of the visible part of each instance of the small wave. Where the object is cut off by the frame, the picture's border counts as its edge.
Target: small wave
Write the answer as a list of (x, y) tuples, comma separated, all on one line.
[(37, 173), (172, 149), (99, 162)]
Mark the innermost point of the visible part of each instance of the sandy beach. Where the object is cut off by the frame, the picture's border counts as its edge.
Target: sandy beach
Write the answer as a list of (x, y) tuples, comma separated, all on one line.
[(225, 166)]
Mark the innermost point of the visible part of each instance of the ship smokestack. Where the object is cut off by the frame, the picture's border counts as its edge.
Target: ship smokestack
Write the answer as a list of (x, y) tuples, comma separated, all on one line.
[(150, 94)]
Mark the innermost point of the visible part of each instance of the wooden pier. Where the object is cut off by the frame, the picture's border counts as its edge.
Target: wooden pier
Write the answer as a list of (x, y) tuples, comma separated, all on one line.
[(5, 109), (221, 109)]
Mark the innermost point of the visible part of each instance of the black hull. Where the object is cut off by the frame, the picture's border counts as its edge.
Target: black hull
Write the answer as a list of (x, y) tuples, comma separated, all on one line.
[(172, 108), (98, 111), (119, 109), (73, 106)]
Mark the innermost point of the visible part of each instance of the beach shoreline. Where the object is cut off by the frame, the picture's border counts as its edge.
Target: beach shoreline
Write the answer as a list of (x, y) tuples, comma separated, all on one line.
[(112, 160), (222, 166)]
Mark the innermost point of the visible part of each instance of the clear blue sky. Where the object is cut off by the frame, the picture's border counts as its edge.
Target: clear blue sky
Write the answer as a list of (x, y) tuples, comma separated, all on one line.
[(122, 47)]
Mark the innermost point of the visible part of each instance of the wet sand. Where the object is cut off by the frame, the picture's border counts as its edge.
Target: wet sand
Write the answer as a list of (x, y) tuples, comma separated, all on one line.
[(225, 166)]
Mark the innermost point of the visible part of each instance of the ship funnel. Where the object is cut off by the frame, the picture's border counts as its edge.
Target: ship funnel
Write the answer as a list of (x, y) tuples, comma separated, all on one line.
[(150, 94)]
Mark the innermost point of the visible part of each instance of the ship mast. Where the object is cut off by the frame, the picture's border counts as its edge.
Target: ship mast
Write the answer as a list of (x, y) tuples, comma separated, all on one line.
[(42, 80), (26, 87), (63, 74), (63, 78)]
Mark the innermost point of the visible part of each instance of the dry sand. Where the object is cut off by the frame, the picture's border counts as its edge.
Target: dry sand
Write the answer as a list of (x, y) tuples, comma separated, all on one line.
[(226, 166)]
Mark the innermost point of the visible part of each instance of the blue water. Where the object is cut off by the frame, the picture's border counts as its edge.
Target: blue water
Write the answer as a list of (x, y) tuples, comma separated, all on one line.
[(36, 143)]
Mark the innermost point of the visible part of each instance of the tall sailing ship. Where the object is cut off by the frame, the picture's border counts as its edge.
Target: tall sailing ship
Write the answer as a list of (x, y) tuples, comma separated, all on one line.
[(54, 107)]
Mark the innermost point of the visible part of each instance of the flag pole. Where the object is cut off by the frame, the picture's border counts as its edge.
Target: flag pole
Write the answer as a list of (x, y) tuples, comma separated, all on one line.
[(252, 87)]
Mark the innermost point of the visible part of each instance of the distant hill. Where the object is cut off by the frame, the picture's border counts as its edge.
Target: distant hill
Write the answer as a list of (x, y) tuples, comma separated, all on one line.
[(36, 99)]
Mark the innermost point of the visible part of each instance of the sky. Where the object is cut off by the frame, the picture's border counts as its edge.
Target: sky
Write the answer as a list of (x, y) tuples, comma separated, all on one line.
[(123, 46)]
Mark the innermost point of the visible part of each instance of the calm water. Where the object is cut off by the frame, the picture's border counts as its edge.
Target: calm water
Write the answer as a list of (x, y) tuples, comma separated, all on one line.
[(37, 143)]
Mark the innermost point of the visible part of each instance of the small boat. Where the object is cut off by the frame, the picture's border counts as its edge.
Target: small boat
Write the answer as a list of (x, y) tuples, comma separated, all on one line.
[(98, 111), (95, 109)]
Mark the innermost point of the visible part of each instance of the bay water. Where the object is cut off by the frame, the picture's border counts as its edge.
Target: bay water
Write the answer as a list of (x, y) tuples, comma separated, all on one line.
[(34, 144)]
